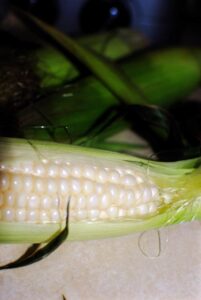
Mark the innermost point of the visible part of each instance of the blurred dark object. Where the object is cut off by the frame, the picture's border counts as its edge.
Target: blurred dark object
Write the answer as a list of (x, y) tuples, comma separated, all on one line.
[(104, 15), (159, 128), (157, 19), (18, 82), (188, 116), (43, 9), (3, 8), (162, 21), (191, 24)]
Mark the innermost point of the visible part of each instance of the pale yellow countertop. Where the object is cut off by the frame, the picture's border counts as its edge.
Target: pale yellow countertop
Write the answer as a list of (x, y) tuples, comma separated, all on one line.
[(113, 269)]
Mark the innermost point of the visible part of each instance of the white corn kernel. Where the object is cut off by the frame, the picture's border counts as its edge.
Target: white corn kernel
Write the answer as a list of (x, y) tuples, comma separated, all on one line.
[(87, 187), (9, 199), (102, 176), (129, 180), (4, 181), (33, 201), (46, 202), (8, 214), (16, 183), (28, 183), (76, 171), (89, 172), (20, 215), (81, 202), (39, 170), (52, 170)]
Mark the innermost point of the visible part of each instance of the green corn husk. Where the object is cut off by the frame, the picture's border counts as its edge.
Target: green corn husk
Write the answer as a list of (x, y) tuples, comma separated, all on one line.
[(106, 71), (54, 69), (181, 179), (29, 68), (163, 75), (149, 73), (112, 77), (115, 44), (129, 91)]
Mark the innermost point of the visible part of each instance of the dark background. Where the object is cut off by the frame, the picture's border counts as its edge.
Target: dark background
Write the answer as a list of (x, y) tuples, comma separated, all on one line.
[(163, 21)]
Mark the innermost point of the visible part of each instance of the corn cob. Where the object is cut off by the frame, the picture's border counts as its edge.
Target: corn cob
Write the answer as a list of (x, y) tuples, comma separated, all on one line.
[(110, 194)]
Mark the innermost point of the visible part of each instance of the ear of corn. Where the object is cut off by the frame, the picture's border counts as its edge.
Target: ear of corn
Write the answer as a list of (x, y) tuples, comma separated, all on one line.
[(54, 69), (164, 76), (110, 194), (115, 44), (107, 72), (103, 69), (121, 85), (39, 67)]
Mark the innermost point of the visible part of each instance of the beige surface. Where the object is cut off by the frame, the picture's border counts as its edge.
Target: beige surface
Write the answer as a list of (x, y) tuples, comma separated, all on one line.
[(112, 269)]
